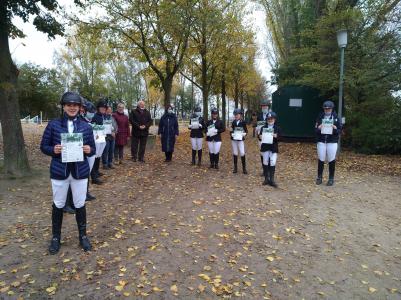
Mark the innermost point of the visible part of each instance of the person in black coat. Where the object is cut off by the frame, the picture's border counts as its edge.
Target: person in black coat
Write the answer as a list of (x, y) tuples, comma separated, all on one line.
[(141, 121), (260, 121), (197, 126), (238, 133), (328, 129), (168, 129), (215, 127), (268, 136)]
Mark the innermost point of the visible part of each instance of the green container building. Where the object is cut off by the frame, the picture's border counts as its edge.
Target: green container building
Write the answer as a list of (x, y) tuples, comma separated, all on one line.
[(297, 108)]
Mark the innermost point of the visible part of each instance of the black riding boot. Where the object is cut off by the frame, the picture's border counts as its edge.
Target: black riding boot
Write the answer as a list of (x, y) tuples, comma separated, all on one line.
[(235, 159), (216, 161), (80, 216), (332, 169), (69, 203), (243, 160), (211, 156), (95, 172), (320, 168), (57, 221), (263, 169), (89, 197), (199, 157), (266, 174), (272, 171), (193, 157)]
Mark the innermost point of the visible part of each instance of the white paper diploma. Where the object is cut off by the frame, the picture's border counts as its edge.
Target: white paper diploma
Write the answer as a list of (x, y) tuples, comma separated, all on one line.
[(72, 144), (267, 136), (107, 126), (211, 130), (195, 123), (327, 126), (237, 134)]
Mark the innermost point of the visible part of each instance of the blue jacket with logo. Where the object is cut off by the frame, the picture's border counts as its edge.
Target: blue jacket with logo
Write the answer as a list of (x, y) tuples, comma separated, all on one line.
[(328, 138), (52, 137)]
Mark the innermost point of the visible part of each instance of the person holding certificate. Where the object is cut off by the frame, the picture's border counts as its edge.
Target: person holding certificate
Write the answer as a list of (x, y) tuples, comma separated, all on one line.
[(260, 122), (100, 139), (214, 129), (197, 127), (268, 136), (328, 128), (69, 141), (238, 133)]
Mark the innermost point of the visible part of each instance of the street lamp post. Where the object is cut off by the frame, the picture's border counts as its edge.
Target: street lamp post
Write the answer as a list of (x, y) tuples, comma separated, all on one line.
[(342, 43)]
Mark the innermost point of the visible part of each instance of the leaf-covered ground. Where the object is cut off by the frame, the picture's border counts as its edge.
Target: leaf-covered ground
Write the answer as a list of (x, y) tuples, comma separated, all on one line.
[(176, 231)]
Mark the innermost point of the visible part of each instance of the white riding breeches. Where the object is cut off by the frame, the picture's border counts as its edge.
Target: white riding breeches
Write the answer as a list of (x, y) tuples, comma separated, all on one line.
[(214, 147), (238, 146), (328, 150), (196, 143), (60, 190), (91, 161), (268, 155)]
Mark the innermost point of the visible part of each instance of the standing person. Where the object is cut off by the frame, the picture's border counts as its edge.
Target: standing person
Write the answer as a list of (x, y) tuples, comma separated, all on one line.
[(86, 113), (215, 127), (328, 129), (238, 133), (123, 132), (111, 129), (141, 121), (98, 119), (197, 127), (168, 129), (66, 174), (269, 147), (261, 119)]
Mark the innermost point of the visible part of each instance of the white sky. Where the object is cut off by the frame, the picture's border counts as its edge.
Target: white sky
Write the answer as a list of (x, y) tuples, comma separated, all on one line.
[(36, 47)]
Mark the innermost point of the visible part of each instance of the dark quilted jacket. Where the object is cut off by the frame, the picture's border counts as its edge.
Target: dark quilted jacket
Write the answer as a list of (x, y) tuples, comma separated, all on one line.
[(52, 137)]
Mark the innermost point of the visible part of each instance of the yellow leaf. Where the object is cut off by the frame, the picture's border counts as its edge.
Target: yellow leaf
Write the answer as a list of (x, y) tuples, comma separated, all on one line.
[(156, 289), (207, 268), (16, 284), (119, 287), (270, 258), (372, 290), (248, 283), (364, 266), (204, 276), (51, 289), (126, 294), (201, 288), (174, 288), (67, 260)]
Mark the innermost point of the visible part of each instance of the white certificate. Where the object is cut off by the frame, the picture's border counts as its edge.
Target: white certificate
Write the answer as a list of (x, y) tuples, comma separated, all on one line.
[(211, 130), (72, 144), (107, 126), (99, 133), (327, 126), (267, 136), (237, 134), (195, 123)]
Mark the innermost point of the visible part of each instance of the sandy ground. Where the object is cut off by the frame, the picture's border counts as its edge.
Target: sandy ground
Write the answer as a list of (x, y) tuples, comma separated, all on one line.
[(176, 231)]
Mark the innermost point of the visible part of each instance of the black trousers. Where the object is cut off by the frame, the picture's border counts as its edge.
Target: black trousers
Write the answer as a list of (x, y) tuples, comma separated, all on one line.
[(141, 142), (169, 156)]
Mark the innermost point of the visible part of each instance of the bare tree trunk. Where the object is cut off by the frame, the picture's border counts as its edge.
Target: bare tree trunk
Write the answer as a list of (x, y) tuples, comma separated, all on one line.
[(223, 96), (167, 86), (15, 156)]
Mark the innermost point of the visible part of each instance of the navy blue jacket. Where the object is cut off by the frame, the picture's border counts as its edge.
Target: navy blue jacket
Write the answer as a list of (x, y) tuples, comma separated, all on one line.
[(197, 133), (219, 125), (52, 137), (98, 118), (270, 147), (168, 128), (242, 124), (328, 138)]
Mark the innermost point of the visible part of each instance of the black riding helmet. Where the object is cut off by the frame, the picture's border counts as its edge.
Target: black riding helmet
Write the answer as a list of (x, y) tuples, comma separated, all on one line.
[(328, 104), (197, 109), (214, 111), (70, 98), (237, 111), (101, 103), (271, 115)]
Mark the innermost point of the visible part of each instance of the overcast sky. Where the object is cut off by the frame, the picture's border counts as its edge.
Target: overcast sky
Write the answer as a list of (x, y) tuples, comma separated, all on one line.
[(36, 47)]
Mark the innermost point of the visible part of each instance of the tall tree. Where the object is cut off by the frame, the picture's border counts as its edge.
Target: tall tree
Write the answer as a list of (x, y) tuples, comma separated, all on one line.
[(15, 156), (155, 31)]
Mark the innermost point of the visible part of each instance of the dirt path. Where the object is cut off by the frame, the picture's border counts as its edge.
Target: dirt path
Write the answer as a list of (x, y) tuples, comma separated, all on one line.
[(170, 231)]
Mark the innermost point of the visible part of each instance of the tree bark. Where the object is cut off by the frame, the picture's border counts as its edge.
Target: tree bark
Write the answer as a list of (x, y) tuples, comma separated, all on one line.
[(167, 86), (15, 156), (223, 96)]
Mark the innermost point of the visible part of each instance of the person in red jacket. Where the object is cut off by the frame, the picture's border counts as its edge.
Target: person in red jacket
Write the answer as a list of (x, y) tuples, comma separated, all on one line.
[(123, 133)]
